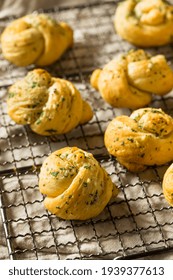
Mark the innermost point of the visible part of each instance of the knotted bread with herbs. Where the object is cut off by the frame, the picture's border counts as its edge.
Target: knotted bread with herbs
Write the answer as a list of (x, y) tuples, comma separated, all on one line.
[(35, 39), (145, 23), (49, 105), (143, 139), (168, 185), (74, 184), (130, 79)]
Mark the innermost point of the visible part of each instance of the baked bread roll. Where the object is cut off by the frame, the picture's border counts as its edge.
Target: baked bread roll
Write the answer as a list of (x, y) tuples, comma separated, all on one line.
[(75, 184), (35, 39), (49, 105), (130, 79), (143, 139), (145, 23), (168, 185)]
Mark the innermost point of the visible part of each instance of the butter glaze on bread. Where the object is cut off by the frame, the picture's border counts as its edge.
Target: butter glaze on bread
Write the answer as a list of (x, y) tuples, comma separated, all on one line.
[(49, 105), (75, 184), (130, 80), (35, 39), (145, 138), (146, 23)]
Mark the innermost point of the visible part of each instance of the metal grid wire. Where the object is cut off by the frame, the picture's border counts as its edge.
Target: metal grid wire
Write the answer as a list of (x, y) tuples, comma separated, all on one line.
[(139, 221)]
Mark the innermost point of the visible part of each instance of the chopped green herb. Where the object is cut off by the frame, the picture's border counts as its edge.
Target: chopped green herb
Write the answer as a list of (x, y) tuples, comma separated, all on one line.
[(38, 121), (130, 139), (54, 173), (87, 166), (11, 94), (34, 84)]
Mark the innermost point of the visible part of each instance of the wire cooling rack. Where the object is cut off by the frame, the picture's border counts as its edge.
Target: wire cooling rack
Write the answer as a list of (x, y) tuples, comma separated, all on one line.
[(137, 223)]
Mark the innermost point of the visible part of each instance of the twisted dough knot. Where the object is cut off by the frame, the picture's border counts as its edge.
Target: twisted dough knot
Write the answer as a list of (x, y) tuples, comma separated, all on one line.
[(168, 185), (145, 138), (129, 80), (50, 105), (37, 39), (145, 23), (75, 185)]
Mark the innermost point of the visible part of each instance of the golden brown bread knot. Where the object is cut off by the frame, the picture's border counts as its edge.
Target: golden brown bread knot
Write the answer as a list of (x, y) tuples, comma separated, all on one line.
[(49, 105), (145, 23), (75, 185), (130, 79), (37, 39), (168, 185), (143, 139)]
